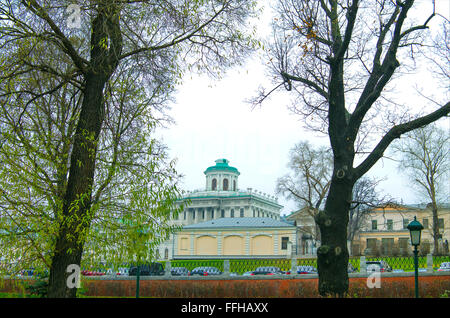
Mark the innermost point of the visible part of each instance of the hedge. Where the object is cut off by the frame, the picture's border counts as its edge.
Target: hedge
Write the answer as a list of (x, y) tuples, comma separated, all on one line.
[(391, 287)]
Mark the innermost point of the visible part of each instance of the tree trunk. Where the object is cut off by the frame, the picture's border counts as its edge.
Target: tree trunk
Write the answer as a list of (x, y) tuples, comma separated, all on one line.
[(76, 216), (332, 255), (436, 235)]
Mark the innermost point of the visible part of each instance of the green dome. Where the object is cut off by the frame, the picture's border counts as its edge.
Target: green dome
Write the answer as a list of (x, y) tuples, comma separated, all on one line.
[(222, 165)]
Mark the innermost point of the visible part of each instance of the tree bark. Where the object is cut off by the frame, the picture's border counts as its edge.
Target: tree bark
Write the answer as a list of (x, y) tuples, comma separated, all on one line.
[(76, 216), (436, 233), (332, 255)]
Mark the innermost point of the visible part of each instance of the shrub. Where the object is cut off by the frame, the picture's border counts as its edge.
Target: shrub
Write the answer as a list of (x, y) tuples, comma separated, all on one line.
[(391, 287), (38, 287)]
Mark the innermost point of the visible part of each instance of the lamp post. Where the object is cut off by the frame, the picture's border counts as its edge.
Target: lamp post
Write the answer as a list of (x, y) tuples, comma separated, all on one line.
[(415, 231)]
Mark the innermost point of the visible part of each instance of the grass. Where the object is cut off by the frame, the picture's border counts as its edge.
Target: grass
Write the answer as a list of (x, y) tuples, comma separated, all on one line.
[(16, 295)]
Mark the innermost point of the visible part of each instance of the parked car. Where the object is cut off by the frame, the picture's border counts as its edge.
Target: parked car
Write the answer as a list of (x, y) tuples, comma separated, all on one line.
[(444, 267), (27, 272), (351, 268), (93, 272), (123, 271), (179, 271), (205, 271), (306, 270), (381, 266), (247, 273), (267, 270), (152, 269)]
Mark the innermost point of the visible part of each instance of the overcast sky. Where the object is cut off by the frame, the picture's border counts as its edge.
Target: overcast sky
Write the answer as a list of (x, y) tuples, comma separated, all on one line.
[(212, 121)]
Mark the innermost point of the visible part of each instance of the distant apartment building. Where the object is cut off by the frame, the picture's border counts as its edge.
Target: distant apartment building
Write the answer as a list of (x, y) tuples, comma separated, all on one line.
[(307, 233), (385, 231)]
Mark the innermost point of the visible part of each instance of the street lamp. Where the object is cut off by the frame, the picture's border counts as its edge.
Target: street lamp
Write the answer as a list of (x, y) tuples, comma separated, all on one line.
[(415, 231)]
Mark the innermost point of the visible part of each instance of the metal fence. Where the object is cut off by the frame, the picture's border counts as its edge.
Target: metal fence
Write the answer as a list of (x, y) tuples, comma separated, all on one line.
[(407, 263), (241, 266), (191, 264)]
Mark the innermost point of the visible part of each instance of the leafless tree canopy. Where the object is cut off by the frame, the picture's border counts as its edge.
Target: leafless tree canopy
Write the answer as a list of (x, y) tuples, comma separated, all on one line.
[(341, 60), (425, 159), (375, 43)]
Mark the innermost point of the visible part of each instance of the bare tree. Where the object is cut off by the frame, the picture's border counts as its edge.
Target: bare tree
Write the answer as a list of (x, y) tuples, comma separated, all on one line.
[(339, 58), (425, 159), (310, 175), (365, 198), (309, 182)]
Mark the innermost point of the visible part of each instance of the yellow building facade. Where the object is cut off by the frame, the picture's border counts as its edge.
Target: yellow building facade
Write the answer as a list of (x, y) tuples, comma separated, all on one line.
[(385, 231), (236, 238)]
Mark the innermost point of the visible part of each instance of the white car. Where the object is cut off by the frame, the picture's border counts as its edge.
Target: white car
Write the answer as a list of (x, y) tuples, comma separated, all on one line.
[(445, 267), (123, 271)]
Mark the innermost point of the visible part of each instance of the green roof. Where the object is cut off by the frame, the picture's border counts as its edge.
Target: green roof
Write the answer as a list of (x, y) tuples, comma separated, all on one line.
[(222, 165)]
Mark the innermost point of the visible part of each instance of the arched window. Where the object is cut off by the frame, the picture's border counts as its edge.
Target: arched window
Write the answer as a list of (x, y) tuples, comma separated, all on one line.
[(225, 184), (166, 253), (234, 185), (214, 184)]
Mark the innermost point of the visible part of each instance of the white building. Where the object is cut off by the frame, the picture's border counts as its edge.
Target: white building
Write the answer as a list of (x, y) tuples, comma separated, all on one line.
[(221, 198)]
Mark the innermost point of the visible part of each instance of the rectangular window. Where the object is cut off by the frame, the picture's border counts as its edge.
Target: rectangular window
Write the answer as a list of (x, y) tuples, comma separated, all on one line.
[(425, 223), (184, 244), (212, 214), (371, 243), (284, 243), (222, 213), (203, 214), (242, 213), (389, 225), (374, 224), (386, 245), (403, 242), (184, 215), (405, 224), (232, 213), (441, 223)]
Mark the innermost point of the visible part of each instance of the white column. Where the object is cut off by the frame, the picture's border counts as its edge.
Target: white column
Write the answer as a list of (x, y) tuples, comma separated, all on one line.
[(219, 243), (247, 243), (192, 244)]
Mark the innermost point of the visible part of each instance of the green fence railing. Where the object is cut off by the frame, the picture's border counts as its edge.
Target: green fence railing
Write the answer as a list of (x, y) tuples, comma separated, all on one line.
[(241, 266), (191, 264)]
